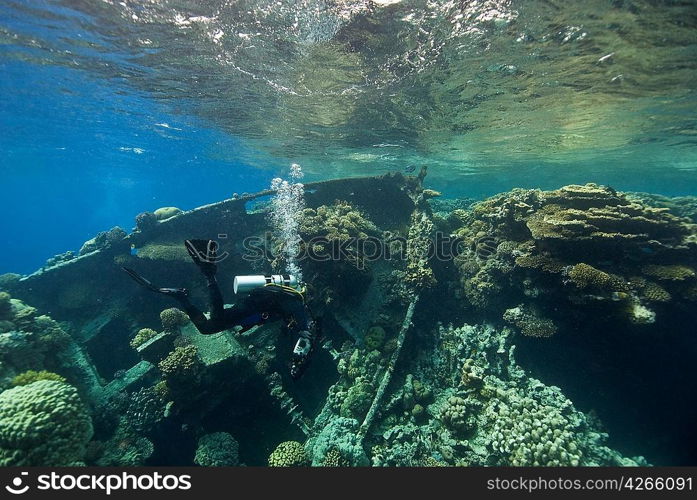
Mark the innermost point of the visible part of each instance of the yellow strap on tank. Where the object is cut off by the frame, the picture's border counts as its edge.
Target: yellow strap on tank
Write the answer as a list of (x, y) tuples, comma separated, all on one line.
[(300, 292)]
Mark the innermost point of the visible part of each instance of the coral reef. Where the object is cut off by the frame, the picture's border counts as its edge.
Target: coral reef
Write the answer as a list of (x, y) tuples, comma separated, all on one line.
[(218, 449), (43, 423), (390, 385), (288, 454), (126, 448), (572, 248)]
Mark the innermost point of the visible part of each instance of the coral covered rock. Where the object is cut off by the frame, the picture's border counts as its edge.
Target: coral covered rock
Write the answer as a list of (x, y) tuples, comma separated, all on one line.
[(142, 336), (218, 449), (167, 212), (43, 423), (173, 318), (182, 363)]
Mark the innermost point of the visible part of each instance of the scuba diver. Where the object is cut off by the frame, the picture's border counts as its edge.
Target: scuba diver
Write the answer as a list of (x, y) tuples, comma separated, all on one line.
[(270, 298)]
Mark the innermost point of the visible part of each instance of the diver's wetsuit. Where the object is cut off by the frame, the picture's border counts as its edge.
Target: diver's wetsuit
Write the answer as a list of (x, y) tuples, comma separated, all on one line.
[(261, 305)]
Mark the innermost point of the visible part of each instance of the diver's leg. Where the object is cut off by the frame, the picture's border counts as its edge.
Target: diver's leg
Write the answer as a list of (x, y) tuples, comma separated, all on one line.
[(181, 295), (216, 299)]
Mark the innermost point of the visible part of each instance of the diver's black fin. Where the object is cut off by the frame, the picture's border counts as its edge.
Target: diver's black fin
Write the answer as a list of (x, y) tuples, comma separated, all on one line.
[(140, 280), (204, 253), (177, 293)]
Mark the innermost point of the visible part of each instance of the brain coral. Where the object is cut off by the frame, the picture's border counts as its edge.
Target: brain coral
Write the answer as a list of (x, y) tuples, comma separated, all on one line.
[(288, 454), (43, 424)]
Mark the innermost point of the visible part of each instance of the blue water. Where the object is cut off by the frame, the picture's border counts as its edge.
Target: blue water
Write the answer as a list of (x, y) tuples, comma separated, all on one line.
[(109, 110), (80, 156)]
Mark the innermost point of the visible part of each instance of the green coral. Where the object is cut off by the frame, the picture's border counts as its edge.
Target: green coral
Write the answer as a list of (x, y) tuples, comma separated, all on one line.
[(218, 449), (43, 424), (288, 454), (374, 338), (173, 318), (340, 221), (357, 400), (5, 306), (170, 252), (31, 376), (182, 363), (333, 458), (142, 336), (456, 414)]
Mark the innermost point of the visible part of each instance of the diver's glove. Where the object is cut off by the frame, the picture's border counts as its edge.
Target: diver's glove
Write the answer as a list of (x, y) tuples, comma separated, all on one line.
[(204, 253), (302, 352)]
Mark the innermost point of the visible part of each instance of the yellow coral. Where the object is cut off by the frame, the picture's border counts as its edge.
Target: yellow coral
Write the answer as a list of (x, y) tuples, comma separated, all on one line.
[(173, 318), (333, 458), (669, 273), (586, 276), (655, 293), (167, 251), (142, 336), (31, 376), (182, 362), (288, 454), (542, 262)]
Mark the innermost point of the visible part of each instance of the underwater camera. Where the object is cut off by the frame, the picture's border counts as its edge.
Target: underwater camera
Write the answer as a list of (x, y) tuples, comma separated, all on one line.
[(244, 284)]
